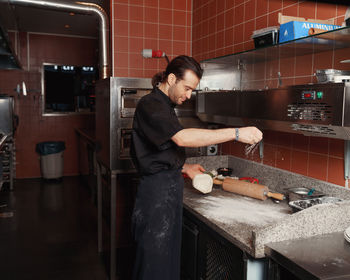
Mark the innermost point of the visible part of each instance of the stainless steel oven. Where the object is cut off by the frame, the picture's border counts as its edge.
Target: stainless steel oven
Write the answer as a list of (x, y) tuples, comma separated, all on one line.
[(116, 101)]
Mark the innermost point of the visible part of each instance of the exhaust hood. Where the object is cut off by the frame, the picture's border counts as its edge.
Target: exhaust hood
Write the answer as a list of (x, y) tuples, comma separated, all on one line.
[(8, 58), (321, 110)]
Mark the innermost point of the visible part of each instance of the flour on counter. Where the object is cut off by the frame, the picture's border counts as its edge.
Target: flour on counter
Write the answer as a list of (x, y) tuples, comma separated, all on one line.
[(241, 210)]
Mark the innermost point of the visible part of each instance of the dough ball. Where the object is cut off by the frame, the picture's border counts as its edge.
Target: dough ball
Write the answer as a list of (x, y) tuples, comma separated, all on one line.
[(203, 183)]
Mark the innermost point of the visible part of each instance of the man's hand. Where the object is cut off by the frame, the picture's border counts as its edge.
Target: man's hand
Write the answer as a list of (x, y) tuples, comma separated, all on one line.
[(249, 135), (192, 169)]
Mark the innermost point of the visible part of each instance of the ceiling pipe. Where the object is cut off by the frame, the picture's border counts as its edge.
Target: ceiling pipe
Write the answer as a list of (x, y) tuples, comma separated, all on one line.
[(82, 8)]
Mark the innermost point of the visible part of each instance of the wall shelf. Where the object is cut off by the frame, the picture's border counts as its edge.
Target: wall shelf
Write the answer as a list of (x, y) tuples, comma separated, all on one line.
[(322, 42)]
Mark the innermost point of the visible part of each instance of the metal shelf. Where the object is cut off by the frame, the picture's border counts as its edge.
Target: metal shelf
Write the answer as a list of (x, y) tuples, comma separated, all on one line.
[(322, 42)]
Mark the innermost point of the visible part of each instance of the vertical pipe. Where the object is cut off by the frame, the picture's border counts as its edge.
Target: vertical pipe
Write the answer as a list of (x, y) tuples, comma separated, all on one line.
[(79, 7)]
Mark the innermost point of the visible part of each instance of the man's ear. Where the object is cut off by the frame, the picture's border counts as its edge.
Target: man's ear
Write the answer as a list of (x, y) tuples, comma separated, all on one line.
[(171, 79)]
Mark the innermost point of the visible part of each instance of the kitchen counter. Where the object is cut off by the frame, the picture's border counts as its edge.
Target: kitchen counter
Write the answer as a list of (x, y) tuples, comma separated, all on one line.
[(250, 223), (320, 257), (234, 216)]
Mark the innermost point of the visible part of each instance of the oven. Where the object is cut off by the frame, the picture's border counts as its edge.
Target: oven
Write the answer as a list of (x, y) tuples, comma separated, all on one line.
[(116, 101)]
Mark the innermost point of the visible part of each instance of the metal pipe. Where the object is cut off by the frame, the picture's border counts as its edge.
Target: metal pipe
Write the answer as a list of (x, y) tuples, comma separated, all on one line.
[(83, 8)]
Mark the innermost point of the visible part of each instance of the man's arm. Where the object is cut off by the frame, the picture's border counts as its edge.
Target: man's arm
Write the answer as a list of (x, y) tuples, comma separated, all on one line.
[(197, 137)]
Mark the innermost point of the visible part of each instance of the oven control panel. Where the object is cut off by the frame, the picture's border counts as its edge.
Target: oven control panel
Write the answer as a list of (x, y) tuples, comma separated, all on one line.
[(312, 95)]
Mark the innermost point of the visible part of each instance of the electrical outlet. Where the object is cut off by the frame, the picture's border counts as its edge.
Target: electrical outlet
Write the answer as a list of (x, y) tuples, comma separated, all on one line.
[(212, 150)]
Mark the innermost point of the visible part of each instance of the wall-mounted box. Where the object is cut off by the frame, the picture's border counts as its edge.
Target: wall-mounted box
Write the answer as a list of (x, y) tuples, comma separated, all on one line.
[(296, 29)]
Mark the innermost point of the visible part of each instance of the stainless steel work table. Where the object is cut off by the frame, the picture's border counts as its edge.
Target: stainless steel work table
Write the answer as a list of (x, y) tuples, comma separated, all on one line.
[(320, 257)]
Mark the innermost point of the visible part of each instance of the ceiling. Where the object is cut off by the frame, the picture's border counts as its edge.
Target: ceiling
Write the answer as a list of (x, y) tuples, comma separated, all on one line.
[(29, 19)]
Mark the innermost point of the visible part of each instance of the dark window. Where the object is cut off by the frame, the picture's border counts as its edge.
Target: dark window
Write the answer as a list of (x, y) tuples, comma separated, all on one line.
[(69, 88)]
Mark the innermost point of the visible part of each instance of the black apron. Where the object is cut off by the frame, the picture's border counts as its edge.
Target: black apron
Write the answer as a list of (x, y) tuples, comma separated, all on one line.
[(157, 225)]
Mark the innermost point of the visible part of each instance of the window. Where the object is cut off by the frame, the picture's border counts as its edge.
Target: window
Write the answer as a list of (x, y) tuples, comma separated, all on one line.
[(68, 88)]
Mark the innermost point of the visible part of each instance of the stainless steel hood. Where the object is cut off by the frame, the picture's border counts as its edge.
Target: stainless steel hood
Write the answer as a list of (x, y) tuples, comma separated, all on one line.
[(313, 110), (8, 58)]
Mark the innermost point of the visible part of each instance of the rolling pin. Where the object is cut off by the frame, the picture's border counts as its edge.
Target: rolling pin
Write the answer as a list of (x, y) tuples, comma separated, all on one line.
[(248, 189)]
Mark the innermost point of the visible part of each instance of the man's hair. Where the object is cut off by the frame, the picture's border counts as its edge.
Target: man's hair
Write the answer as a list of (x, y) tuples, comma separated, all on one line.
[(178, 66)]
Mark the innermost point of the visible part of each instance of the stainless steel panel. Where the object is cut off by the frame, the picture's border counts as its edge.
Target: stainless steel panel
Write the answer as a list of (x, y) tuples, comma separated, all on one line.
[(220, 77), (294, 109), (109, 120), (6, 115)]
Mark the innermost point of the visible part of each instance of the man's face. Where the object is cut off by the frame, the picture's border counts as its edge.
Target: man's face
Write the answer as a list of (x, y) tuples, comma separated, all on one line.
[(181, 90)]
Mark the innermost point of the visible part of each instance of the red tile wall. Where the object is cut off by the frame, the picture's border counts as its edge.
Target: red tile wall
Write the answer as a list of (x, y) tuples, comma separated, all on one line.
[(148, 24), (33, 50), (222, 27)]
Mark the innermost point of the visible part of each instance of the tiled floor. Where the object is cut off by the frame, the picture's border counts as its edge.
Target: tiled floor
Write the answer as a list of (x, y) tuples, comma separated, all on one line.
[(52, 234)]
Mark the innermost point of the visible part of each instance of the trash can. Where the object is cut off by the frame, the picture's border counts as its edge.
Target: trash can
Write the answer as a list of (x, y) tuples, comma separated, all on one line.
[(51, 159)]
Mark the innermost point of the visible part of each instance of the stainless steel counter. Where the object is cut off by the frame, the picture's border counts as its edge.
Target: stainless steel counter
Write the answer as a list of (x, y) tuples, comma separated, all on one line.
[(319, 257)]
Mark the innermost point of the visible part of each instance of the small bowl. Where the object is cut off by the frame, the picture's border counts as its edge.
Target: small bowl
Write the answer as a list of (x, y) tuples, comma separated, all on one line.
[(224, 171)]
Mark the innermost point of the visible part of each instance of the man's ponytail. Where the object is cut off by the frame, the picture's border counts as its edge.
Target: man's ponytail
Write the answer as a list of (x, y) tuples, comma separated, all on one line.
[(158, 79)]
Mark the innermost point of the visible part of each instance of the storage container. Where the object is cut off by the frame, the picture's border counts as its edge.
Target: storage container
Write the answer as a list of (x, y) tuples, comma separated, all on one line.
[(296, 29), (51, 159), (265, 37)]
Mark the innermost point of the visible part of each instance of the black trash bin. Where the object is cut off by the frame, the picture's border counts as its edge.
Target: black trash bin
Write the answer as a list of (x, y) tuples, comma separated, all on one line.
[(51, 158)]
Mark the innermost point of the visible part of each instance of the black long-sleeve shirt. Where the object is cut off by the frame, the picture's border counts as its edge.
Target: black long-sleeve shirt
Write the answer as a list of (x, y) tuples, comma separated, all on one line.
[(155, 122)]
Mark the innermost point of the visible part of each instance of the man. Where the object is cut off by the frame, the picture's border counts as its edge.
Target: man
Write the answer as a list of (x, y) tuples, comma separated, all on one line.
[(158, 142)]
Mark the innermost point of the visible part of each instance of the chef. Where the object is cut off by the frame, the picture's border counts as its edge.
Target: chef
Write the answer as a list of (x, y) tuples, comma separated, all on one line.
[(158, 142)]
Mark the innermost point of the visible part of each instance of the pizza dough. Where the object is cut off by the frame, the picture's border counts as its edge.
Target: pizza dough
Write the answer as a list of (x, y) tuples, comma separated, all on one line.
[(203, 183)]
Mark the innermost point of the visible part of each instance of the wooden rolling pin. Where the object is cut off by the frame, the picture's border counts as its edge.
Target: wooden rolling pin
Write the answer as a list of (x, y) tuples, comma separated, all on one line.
[(248, 189)]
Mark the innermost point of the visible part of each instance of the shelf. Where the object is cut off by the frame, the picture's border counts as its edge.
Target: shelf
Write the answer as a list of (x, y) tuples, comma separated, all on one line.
[(322, 42)]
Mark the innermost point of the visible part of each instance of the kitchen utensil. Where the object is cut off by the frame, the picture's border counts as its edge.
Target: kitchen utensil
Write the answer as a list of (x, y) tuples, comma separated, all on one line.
[(298, 205), (302, 193), (311, 191), (249, 189)]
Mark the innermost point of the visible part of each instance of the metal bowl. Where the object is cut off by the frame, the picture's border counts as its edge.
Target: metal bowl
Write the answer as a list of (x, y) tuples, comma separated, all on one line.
[(301, 193)]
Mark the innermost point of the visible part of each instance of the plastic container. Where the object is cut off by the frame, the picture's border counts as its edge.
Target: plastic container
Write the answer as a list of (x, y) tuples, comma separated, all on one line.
[(265, 37), (51, 159)]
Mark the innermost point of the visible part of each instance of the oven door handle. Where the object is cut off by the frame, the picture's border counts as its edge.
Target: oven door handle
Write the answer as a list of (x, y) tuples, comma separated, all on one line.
[(2, 140)]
